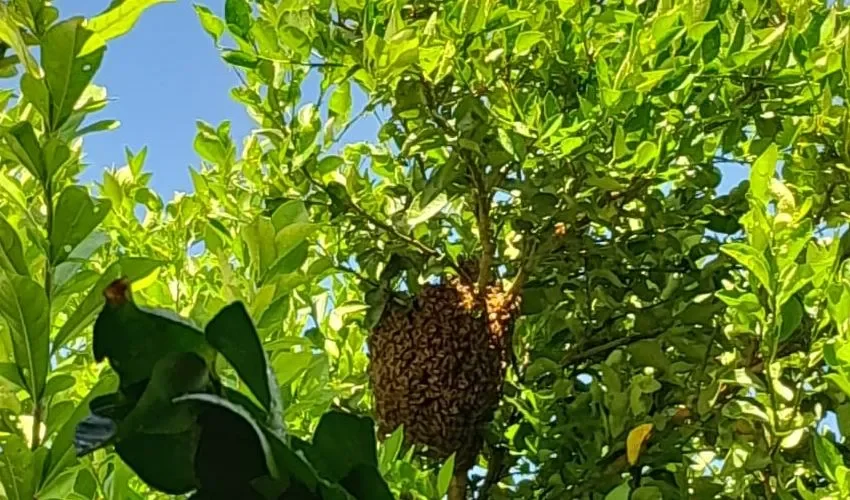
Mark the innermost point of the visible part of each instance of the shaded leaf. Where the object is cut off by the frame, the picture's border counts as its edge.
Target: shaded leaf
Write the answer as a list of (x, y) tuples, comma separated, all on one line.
[(133, 268), (11, 250), (232, 333)]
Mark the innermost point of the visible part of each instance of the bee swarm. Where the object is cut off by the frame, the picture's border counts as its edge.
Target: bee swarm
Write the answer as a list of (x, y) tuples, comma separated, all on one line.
[(438, 367)]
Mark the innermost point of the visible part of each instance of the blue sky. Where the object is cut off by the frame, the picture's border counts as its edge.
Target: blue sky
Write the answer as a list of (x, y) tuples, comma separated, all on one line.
[(163, 76)]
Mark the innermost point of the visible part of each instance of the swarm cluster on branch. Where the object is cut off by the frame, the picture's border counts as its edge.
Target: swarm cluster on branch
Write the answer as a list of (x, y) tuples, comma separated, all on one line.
[(437, 366)]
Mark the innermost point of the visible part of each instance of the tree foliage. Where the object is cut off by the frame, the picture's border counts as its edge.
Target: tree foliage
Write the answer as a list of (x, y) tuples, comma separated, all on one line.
[(681, 336)]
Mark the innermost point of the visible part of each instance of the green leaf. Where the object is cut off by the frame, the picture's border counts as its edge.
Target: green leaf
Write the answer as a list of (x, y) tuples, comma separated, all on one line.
[(56, 155), (295, 39), (792, 316), (23, 306), (340, 103), (343, 441), (291, 212), (232, 333), (259, 237), (62, 450), (697, 31), (793, 279), (209, 145), (11, 35), (133, 268), (761, 174), (646, 152), (619, 149), (35, 91), (288, 366), (211, 23), (240, 58), (98, 126), (11, 250), (67, 74), (391, 448), (440, 180), (621, 492), (827, 456), (444, 477), (237, 14), (526, 41), (751, 259), (77, 214), (116, 21), (648, 352), (12, 374), (24, 144), (651, 79), (422, 214), (290, 243)]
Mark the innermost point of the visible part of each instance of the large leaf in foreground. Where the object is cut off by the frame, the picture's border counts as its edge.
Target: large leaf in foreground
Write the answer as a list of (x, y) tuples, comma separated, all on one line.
[(233, 334), (134, 339)]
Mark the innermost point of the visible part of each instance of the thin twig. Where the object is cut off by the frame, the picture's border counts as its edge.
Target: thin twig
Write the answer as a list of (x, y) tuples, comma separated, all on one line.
[(412, 242), (609, 346)]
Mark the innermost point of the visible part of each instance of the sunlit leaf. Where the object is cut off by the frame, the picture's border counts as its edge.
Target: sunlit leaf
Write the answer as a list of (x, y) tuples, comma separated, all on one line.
[(114, 22)]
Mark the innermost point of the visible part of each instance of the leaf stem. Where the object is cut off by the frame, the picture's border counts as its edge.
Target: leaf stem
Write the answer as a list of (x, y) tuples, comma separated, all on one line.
[(38, 410), (484, 230)]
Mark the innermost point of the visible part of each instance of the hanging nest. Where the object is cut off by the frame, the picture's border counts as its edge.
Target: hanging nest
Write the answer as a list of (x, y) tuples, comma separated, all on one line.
[(437, 366)]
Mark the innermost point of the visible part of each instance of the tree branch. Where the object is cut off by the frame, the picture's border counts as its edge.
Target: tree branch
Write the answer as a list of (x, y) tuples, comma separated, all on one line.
[(409, 240)]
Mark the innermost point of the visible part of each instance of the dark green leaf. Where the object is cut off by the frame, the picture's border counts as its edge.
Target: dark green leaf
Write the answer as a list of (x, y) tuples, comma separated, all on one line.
[(11, 250), (233, 448), (134, 268), (237, 14), (232, 333), (343, 441), (364, 482), (792, 315), (163, 461), (134, 339)]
